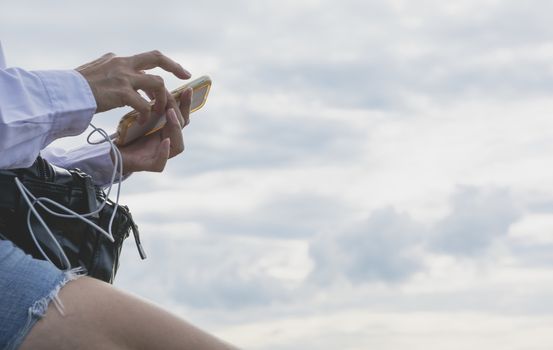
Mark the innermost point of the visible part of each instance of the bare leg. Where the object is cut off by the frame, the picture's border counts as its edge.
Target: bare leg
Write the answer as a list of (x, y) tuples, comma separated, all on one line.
[(99, 316)]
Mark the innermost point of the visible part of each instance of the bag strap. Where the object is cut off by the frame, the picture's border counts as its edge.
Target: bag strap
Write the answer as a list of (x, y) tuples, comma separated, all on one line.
[(136, 235)]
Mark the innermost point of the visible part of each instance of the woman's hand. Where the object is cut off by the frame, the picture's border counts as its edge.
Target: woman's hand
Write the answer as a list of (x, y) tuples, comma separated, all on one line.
[(114, 81), (151, 152)]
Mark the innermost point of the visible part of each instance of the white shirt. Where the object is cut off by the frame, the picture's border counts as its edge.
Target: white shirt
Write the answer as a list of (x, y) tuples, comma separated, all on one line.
[(37, 107)]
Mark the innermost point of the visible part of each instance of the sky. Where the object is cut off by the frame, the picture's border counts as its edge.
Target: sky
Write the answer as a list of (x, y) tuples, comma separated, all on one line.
[(365, 174)]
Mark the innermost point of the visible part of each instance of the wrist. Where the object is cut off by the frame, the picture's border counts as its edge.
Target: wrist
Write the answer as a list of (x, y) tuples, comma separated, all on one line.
[(127, 166)]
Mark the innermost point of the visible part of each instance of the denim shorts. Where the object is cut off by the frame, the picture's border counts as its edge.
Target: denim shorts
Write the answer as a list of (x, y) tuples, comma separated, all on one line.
[(27, 286)]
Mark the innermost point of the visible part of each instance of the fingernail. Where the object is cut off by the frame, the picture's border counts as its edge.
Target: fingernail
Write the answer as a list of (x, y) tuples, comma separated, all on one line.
[(186, 72), (172, 116)]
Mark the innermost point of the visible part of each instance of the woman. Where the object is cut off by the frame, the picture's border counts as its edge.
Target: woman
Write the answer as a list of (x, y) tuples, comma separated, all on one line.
[(37, 108)]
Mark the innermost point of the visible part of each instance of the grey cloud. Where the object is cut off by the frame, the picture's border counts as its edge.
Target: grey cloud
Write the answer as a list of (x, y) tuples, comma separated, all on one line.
[(299, 215), (384, 80), (478, 217), (379, 249), (260, 53), (539, 205), (388, 246), (293, 215), (375, 83), (266, 142), (380, 76), (202, 273), (498, 24), (533, 255)]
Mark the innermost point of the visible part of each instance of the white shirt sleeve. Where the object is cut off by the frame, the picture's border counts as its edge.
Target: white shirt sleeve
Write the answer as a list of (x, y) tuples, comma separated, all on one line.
[(37, 108)]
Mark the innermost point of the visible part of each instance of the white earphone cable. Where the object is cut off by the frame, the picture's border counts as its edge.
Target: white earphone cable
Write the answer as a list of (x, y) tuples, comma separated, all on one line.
[(31, 201)]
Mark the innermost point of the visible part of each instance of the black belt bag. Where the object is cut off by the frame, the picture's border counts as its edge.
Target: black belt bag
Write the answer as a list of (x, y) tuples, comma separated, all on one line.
[(83, 245)]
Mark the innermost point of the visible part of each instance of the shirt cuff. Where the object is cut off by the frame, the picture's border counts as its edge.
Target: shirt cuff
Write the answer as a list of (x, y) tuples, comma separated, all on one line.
[(95, 160), (72, 100)]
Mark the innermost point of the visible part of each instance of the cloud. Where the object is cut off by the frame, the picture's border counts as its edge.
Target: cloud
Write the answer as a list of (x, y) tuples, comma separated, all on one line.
[(316, 178), (210, 271), (382, 248), (292, 215), (478, 218), (254, 141), (391, 246), (530, 240)]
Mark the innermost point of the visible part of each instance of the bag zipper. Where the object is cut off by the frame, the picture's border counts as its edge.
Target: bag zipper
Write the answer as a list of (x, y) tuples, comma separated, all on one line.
[(45, 171), (41, 166)]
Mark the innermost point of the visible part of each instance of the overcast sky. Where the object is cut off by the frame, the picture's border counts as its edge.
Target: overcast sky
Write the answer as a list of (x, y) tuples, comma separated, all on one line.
[(365, 174)]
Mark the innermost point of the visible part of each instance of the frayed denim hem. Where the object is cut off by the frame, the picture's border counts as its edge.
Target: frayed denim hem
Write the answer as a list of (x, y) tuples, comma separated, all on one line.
[(39, 308)]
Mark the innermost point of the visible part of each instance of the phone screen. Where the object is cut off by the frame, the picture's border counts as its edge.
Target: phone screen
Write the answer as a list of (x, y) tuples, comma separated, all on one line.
[(199, 96)]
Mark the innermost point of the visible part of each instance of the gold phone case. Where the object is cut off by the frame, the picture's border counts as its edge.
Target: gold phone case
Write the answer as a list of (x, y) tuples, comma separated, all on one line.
[(128, 129)]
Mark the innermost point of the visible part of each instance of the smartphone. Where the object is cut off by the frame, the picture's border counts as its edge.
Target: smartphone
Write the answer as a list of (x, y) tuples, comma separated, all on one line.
[(129, 130)]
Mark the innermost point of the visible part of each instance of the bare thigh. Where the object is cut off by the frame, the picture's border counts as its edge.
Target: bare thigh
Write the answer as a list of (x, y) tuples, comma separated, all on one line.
[(99, 316)]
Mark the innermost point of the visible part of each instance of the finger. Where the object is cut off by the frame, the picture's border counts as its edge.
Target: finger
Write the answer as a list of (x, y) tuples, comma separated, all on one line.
[(173, 131), (152, 84), (171, 103), (148, 93), (152, 59), (133, 99), (158, 163), (102, 59), (185, 103)]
